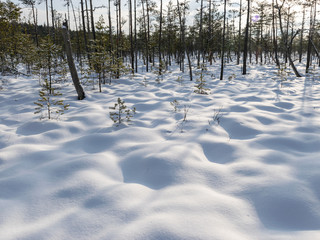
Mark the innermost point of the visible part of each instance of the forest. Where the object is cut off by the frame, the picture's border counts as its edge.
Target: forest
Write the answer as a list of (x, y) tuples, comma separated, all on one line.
[(254, 31)]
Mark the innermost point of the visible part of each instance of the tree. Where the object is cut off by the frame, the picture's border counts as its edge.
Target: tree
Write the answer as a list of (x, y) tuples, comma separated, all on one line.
[(92, 21), (200, 50), (239, 33), (53, 23), (48, 60), (160, 39), (49, 102), (223, 39), (246, 39), (131, 36), (313, 13), (84, 30), (73, 71), (32, 3), (274, 34), (285, 39), (9, 35)]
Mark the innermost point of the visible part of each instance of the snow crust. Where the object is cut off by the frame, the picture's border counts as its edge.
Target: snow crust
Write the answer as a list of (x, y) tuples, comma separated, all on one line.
[(253, 173)]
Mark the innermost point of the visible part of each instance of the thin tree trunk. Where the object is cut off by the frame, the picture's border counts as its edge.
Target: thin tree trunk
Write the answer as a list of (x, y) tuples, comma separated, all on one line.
[(275, 43), (53, 25), (77, 32), (131, 36), (47, 16), (84, 30), (146, 37), (200, 35), (87, 17), (190, 65), (245, 51), (110, 27), (287, 34), (148, 21), (223, 39), (288, 45), (35, 25), (290, 58), (312, 22), (160, 35), (120, 30), (209, 37), (72, 67), (301, 34), (135, 35), (239, 34), (92, 21)]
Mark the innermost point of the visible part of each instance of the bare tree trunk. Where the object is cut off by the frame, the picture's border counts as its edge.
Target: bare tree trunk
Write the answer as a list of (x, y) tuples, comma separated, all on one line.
[(145, 36), (160, 35), (301, 35), (135, 35), (239, 34), (84, 30), (148, 21), (92, 21), (120, 30), (210, 37), (182, 47), (87, 17), (131, 36), (53, 25), (190, 65), (289, 48), (312, 22), (118, 39), (223, 39), (77, 32), (110, 27), (200, 35), (288, 45), (287, 34), (245, 51), (47, 16), (35, 24), (72, 67), (275, 43)]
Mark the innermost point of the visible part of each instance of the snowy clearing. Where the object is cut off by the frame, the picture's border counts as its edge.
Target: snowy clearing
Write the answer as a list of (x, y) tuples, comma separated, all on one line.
[(241, 162)]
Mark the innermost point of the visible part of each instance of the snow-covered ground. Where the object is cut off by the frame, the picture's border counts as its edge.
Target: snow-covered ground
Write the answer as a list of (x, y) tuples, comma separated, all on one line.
[(242, 162)]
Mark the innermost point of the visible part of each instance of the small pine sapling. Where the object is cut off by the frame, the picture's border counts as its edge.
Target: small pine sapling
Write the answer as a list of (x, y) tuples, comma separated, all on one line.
[(122, 113), (201, 86), (184, 119), (232, 77), (48, 104), (283, 73), (144, 82), (216, 117), (175, 104), (180, 80)]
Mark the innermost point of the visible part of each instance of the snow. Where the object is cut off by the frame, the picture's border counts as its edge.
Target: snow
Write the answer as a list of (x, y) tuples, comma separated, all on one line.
[(244, 164)]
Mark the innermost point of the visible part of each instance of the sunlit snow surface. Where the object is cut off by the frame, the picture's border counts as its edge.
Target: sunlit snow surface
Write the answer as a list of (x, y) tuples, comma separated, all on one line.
[(254, 174)]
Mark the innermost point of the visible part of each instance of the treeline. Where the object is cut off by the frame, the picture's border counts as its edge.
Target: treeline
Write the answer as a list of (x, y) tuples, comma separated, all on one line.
[(279, 32)]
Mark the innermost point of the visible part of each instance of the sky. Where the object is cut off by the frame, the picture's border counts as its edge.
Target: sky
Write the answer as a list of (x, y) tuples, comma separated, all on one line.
[(59, 5)]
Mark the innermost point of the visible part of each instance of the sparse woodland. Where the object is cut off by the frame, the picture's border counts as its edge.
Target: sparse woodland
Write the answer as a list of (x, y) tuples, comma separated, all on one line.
[(157, 34)]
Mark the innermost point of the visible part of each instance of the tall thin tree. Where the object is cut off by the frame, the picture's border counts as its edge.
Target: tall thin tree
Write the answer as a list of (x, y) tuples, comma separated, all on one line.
[(246, 39), (223, 39)]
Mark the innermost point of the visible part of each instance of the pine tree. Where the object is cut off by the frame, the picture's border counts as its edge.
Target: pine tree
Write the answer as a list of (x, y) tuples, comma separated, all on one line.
[(49, 105)]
